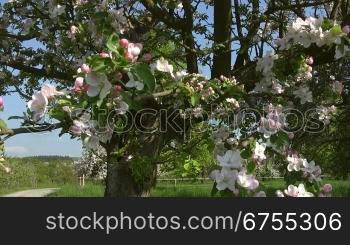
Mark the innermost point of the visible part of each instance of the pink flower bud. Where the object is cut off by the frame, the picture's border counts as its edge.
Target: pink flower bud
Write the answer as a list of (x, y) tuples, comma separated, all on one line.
[(103, 55), (79, 82), (118, 88), (147, 57), (129, 57), (77, 89), (85, 68), (310, 60), (327, 188), (124, 43), (346, 29), (74, 30), (2, 103), (119, 76), (223, 78)]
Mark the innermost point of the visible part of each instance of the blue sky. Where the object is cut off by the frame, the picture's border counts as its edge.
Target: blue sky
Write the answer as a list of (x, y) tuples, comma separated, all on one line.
[(35, 144)]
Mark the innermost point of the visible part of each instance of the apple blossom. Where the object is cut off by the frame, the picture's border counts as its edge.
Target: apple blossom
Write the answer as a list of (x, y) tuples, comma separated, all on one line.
[(279, 193), (265, 64), (38, 105), (163, 65), (346, 29), (225, 179), (260, 194), (247, 181), (134, 49), (98, 85), (340, 52), (259, 152), (79, 82), (327, 188), (2, 103), (77, 127), (233, 102), (310, 60), (50, 91), (179, 75), (133, 83), (337, 87), (231, 159), (121, 107), (312, 171), (295, 163), (74, 30), (299, 191), (304, 94)]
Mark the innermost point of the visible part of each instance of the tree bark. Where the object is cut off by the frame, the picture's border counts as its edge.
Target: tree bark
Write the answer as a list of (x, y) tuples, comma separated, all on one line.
[(222, 37), (120, 181), (140, 152)]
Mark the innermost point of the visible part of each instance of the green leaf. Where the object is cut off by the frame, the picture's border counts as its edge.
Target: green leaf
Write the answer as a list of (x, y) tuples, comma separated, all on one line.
[(100, 103), (113, 43), (194, 100), (280, 138), (3, 125), (64, 102), (251, 167), (336, 29), (214, 190), (57, 114), (15, 118), (144, 73), (246, 153)]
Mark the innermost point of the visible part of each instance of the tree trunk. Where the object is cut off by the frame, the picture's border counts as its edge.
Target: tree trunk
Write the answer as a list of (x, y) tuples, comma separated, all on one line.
[(122, 183), (222, 37)]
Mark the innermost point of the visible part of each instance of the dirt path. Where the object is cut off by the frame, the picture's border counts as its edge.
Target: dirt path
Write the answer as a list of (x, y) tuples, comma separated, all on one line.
[(33, 193)]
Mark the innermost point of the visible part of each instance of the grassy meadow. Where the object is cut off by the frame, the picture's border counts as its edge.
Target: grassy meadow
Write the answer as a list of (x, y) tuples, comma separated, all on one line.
[(186, 189), (57, 172)]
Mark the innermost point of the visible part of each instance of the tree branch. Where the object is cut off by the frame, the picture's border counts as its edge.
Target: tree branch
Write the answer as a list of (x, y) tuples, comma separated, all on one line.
[(26, 130), (39, 72), (162, 15)]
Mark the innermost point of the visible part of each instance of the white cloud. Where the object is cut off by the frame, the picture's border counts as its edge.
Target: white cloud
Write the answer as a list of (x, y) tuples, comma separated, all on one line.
[(16, 149)]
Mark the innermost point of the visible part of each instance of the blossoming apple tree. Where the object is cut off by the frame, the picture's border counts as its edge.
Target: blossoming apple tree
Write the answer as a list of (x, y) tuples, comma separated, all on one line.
[(127, 96)]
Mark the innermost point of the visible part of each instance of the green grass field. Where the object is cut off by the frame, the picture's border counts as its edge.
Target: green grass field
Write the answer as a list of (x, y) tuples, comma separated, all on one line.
[(194, 189)]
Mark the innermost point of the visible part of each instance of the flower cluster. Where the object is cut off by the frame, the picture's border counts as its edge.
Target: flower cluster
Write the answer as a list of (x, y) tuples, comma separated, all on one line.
[(233, 174), (310, 170), (273, 122), (312, 31), (40, 101), (326, 113), (295, 191)]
